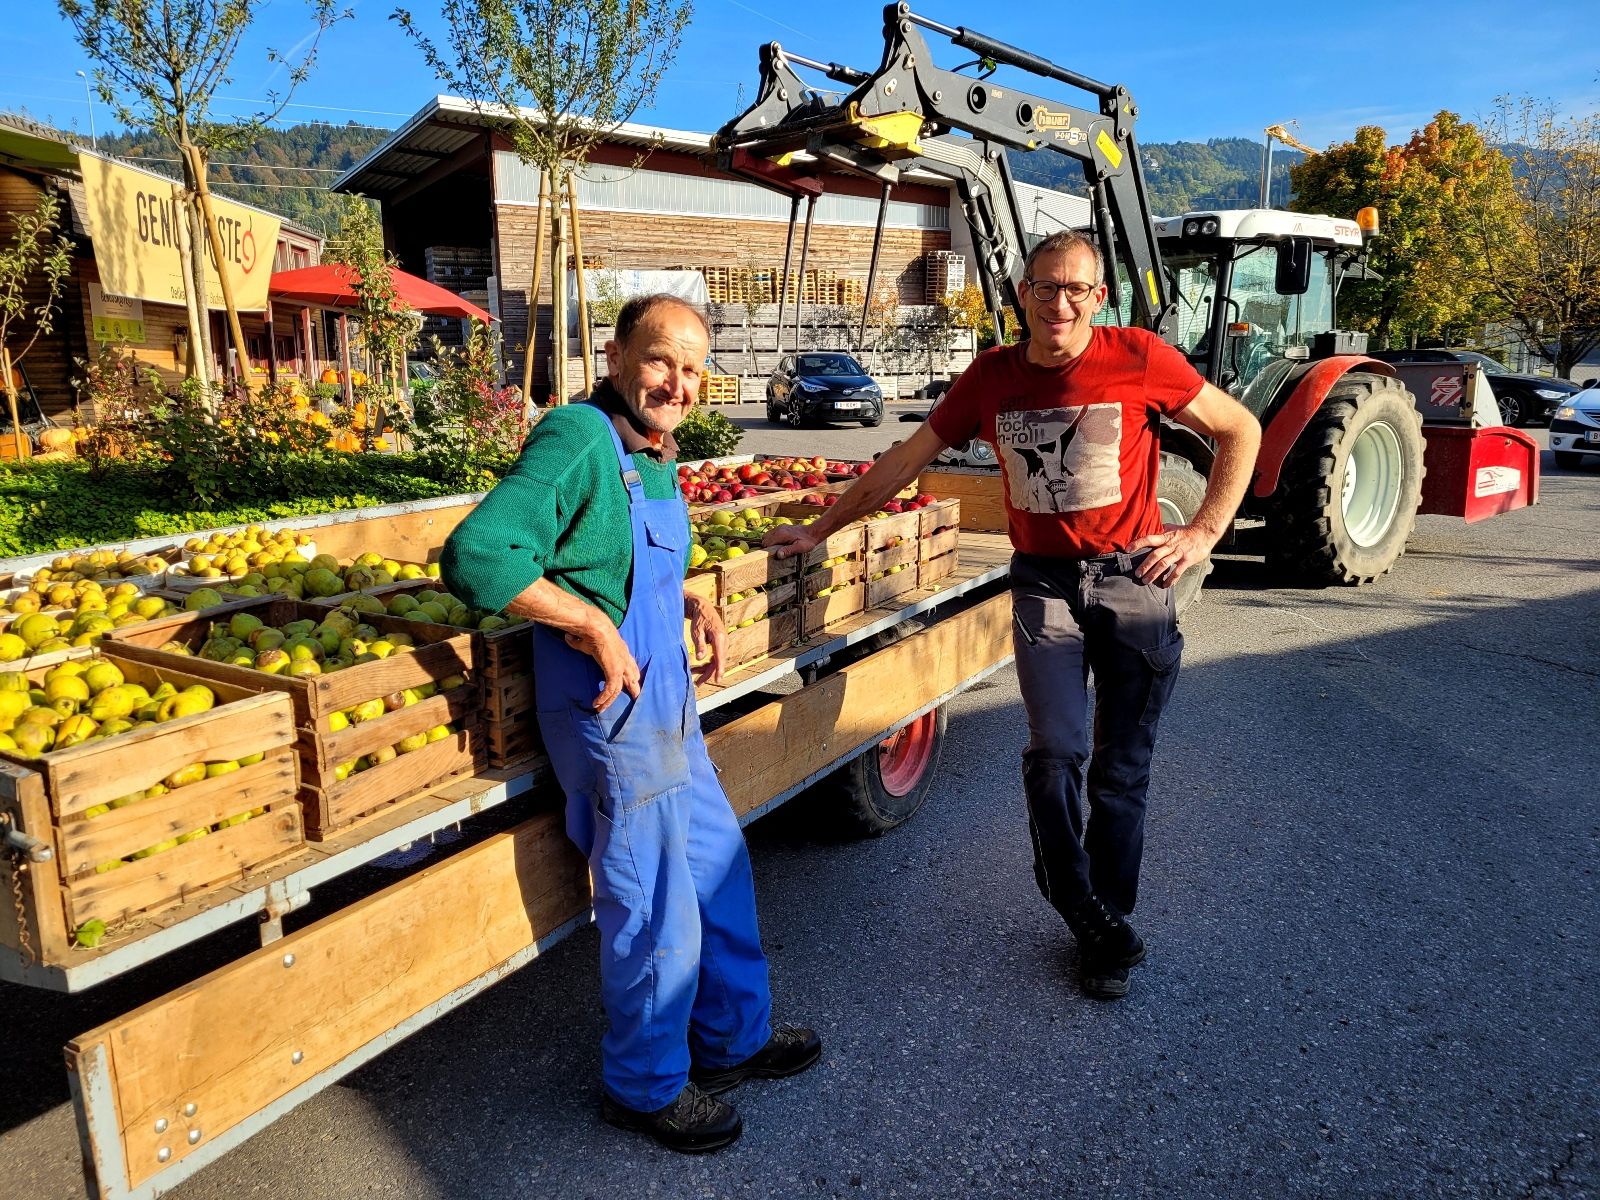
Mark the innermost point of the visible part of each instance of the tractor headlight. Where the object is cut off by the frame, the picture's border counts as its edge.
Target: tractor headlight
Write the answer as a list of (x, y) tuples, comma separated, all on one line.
[(1201, 227)]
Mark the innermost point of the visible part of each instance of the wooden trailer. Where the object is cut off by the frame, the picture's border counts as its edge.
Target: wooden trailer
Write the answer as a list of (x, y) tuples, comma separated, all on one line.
[(859, 704)]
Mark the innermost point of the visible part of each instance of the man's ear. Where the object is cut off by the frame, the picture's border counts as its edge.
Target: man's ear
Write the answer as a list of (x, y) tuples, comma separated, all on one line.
[(613, 356)]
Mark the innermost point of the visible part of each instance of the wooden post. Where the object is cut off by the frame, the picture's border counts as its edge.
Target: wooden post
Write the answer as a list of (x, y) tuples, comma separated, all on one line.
[(344, 356), (9, 382), (197, 160), (558, 309), (584, 342), (533, 298)]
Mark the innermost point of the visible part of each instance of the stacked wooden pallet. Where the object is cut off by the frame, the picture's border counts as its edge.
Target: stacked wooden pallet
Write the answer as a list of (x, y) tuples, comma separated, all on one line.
[(946, 274), (719, 389)]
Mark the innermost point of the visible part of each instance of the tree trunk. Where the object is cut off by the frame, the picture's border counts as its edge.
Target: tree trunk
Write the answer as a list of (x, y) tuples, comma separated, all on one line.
[(196, 366), (214, 238), (197, 277)]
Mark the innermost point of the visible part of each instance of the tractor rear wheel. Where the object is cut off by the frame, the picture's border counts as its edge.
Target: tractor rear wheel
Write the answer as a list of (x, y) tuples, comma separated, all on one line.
[(1180, 489), (1348, 495)]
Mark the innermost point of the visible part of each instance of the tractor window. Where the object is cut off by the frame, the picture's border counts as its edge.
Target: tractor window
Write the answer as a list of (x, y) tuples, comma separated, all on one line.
[(1191, 281), (1276, 322)]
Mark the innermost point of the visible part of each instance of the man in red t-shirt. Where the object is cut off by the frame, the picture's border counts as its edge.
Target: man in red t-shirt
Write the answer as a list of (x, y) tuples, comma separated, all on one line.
[(1073, 415)]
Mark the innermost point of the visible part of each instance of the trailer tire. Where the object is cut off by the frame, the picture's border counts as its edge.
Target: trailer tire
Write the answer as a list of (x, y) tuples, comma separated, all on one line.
[(1348, 495), (885, 786), (1180, 489)]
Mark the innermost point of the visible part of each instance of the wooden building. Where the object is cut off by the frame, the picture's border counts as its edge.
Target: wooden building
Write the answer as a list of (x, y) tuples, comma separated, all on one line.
[(33, 159), (460, 207)]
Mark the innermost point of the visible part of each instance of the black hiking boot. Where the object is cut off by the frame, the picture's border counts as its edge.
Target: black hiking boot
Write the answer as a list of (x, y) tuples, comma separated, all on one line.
[(1101, 981), (694, 1123), (789, 1051), (1104, 935)]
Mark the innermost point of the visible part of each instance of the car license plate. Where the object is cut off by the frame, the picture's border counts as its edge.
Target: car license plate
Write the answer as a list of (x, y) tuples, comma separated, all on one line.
[(857, 404), (1592, 434)]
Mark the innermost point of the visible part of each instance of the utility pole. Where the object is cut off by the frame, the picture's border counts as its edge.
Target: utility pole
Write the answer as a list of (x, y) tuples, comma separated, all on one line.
[(88, 97)]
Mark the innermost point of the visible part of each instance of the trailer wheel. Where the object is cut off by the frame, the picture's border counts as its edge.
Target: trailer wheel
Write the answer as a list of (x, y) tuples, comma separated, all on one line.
[(1347, 499), (885, 787), (1180, 489)]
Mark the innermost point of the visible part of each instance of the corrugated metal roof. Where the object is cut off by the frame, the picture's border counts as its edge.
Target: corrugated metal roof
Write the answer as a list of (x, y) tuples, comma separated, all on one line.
[(390, 166)]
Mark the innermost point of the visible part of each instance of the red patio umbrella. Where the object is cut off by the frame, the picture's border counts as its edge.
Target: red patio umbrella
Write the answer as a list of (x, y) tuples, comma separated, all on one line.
[(330, 287)]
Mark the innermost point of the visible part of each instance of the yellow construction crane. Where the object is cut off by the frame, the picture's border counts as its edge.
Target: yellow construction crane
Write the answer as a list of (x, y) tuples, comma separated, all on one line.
[(1288, 139)]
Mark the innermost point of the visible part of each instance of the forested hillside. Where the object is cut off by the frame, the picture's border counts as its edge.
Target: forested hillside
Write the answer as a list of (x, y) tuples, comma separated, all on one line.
[(271, 179), (1182, 176)]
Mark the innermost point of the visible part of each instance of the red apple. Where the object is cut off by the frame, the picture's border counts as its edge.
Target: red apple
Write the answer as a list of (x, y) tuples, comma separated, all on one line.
[(927, 498), (894, 506), (830, 500), (748, 471), (763, 479), (863, 468)]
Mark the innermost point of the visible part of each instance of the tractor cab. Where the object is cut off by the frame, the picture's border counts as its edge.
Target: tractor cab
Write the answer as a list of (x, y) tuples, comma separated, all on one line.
[(1277, 275)]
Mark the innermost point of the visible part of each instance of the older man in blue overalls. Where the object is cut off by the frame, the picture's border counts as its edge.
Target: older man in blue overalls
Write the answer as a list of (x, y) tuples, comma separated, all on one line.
[(591, 514)]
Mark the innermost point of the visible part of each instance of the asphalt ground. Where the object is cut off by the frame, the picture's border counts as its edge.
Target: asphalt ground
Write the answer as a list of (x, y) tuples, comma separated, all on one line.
[(1369, 896)]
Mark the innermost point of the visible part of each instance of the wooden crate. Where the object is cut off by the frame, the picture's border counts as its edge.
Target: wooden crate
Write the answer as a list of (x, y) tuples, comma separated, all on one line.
[(331, 803), (504, 659), (938, 541), (774, 612), (891, 556), (845, 581), (66, 784), (719, 389)]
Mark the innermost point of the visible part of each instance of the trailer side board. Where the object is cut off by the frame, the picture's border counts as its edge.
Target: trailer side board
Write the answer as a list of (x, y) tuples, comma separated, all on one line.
[(340, 991)]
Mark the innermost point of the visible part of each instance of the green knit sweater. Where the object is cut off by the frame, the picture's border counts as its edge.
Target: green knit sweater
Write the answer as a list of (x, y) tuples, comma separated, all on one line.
[(560, 513)]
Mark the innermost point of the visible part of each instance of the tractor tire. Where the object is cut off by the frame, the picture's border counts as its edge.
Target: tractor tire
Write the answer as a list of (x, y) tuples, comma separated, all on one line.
[(1349, 491), (884, 787), (1180, 489)]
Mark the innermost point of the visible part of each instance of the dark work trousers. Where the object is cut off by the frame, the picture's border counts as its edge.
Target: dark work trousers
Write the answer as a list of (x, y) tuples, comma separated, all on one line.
[(1072, 617)]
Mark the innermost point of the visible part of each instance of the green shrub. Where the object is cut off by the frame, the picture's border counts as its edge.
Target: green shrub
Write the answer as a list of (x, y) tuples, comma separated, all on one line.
[(706, 434), (59, 506)]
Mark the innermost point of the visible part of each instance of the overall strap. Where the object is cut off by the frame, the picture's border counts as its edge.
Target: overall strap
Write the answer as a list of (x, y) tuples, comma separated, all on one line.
[(625, 463)]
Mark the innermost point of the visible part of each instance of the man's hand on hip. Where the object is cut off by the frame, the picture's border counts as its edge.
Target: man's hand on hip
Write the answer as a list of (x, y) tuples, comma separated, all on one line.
[(600, 640), (1172, 551)]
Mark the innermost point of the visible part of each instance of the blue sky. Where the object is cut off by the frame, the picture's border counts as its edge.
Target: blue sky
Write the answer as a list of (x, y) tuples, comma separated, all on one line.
[(1196, 70)]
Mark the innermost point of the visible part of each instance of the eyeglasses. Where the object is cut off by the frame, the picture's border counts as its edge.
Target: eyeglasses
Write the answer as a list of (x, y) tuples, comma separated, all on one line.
[(1045, 290)]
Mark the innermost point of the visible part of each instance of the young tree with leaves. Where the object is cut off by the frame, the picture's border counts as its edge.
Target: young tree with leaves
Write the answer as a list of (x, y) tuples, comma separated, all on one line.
[(38, 254), (1431, 268), (562, 74), (358, 252), (1543, 263), (160, 65)]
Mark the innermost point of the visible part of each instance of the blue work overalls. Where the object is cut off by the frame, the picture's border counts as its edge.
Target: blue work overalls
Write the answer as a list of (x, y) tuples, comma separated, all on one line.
[(682, 972)]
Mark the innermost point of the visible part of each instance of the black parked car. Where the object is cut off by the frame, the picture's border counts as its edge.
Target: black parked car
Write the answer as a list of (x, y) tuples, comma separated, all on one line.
[(826, 385), (1523, 399)]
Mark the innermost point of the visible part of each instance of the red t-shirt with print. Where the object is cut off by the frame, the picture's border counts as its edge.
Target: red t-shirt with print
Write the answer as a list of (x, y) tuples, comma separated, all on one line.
[(1077, 443)]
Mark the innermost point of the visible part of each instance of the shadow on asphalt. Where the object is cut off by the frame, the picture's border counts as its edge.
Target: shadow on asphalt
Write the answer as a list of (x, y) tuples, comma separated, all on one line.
[(1357, 829)]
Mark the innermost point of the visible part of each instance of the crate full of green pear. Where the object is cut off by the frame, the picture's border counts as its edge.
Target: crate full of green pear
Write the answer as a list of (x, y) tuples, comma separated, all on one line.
[(383, 710), (153, 786)]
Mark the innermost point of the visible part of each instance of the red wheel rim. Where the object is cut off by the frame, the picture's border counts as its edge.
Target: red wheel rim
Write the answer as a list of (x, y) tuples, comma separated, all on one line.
[(903, 756)]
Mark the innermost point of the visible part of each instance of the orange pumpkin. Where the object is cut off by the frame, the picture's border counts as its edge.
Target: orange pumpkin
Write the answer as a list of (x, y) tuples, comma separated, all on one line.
[(358, 378), (57, 439), (329, 375)]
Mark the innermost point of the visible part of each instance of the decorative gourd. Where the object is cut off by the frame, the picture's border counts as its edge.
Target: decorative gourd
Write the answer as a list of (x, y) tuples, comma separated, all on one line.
[(358, 378), (329, 375)]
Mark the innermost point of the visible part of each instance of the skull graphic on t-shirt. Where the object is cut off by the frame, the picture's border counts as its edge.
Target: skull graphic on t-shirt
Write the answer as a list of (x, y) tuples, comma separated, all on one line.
[(1060, 460)]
